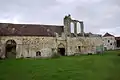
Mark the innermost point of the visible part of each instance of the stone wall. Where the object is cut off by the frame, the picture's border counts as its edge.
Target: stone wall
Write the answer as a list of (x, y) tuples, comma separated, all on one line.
[(28, 46), (109, 43), (83, 45)]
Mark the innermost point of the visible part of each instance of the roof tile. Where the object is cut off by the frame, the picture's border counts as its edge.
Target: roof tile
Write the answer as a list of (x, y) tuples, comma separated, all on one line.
[(7, 29)]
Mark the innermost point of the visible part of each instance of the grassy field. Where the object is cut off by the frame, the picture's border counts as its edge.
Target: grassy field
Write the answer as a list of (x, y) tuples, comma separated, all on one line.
[(93, 67)]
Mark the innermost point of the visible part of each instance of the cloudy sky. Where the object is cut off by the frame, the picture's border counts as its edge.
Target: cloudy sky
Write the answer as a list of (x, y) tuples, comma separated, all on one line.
[(99, 16)]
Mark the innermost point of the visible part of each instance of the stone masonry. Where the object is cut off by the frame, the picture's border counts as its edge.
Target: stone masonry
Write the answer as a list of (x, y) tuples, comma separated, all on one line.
[(28, 46)]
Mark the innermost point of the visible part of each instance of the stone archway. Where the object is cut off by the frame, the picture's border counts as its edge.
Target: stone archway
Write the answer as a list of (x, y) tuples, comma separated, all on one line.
[(10, 49), (61, 49)]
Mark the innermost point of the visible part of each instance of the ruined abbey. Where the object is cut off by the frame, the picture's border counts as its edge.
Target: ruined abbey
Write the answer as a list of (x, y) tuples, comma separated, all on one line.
[(36, 41)]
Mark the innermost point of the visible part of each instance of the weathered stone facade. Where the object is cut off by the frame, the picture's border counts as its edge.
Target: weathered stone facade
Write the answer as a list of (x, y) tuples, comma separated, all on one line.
[(111, 42), (29, 46)]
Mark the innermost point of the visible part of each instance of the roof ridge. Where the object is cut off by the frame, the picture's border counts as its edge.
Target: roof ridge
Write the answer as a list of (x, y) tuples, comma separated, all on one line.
[(108, 34), (32, 24)]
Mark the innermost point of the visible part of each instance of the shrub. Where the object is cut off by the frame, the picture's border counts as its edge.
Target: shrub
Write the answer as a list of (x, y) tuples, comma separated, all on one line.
[(22, 57), (0, 58), (55, 55), (77, 54), (119, 54), (89, 53)]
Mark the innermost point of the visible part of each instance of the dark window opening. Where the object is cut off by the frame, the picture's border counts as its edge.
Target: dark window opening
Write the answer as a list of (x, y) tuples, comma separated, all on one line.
[(53, 49), (38, 53), (108, 41), (79, 47), (68, 35)]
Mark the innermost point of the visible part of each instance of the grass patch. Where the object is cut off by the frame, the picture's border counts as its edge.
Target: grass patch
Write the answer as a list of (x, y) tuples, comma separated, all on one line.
[(93, 67)]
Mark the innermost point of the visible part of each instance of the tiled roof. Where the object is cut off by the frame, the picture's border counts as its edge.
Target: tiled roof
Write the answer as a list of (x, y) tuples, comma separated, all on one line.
[(8, 29), (108, 35)]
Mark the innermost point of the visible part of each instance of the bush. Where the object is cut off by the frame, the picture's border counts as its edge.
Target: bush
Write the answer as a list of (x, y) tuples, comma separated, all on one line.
[(89, 53), (22, 57), (119, 54), (76, 54), (0, 58), (55, 55)]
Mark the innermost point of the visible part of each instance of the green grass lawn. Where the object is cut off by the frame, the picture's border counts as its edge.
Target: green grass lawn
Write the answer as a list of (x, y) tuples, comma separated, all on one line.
[(93, 67)]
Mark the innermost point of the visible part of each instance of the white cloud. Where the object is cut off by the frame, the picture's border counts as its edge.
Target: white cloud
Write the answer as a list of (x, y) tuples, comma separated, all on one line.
[(99, 16)]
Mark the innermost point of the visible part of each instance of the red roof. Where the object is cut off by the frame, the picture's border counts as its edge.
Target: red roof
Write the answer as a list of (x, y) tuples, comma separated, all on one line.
[(8, 29), (108, 35)]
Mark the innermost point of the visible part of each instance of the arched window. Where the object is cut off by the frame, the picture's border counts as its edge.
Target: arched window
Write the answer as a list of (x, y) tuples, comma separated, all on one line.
[(38, 53), (78, 28), (72, 28)]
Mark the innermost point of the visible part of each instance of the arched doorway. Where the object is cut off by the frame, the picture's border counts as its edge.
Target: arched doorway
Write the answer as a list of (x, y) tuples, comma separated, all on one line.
[(10, 49), (61, 49)]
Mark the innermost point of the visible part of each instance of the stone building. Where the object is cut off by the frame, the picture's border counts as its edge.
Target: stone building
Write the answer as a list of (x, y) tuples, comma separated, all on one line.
[(109, 42), (32, 40)]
